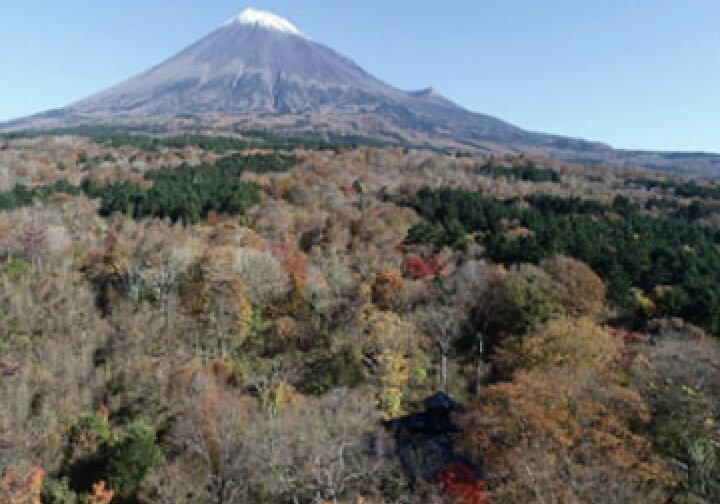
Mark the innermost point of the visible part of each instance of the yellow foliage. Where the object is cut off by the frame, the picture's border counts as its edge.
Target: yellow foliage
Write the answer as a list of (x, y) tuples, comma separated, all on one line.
[(278, 396), (387, 330), (644, 301), (390, 341), (243, 309), (566, 341), (394, 375)]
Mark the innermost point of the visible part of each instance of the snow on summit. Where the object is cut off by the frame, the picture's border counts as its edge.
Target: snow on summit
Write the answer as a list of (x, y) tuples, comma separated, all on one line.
[(265, 20)]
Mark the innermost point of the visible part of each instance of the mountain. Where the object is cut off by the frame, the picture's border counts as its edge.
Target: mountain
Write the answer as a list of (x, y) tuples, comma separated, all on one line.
[(258, 71)]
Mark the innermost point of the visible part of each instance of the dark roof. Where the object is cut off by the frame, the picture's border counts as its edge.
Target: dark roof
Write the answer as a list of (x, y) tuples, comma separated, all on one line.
[(440, 401)]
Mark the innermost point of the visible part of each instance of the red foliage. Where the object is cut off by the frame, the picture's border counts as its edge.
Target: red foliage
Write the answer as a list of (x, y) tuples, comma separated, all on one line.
[(418, 268), (348, 190), (631, 340), (459, 481)]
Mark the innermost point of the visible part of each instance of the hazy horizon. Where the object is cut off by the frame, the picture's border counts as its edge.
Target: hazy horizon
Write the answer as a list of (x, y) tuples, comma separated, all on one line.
[(628, 74)]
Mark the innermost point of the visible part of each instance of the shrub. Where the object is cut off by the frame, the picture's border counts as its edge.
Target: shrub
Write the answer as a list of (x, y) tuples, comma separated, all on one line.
[(15, 268)]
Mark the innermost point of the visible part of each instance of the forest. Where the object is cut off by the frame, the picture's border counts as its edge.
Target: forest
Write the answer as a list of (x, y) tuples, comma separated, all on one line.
[(672, 260), (215, 323)]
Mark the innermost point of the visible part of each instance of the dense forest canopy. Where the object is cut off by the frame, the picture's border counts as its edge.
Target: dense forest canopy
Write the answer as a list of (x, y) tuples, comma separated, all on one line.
[(625, 247), (177, 312)]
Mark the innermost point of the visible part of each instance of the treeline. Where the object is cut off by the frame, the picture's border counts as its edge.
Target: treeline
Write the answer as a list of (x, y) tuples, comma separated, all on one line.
[(144, 139), (235, 164), (21, 195), (683, 189), (184, 194), (694, 211), (528, 172), (672, 260), (219, 144), (150, 143), (188, 193)]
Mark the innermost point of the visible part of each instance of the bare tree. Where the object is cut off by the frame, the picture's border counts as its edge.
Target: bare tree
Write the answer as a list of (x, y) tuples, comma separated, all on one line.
[(442, 324), (263, 275)]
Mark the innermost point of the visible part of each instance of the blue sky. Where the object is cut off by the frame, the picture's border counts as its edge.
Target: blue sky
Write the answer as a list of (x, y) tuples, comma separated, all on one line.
[(632, 73)]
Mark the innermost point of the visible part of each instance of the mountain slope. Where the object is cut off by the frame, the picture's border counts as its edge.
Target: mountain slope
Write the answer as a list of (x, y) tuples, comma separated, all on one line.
[(259, 71)]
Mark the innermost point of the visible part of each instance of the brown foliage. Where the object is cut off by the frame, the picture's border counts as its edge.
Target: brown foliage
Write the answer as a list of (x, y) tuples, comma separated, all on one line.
[(565, 437), (584, 292), (387, 288)]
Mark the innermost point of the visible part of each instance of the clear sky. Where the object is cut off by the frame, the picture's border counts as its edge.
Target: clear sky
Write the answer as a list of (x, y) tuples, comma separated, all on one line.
[(632, 73)]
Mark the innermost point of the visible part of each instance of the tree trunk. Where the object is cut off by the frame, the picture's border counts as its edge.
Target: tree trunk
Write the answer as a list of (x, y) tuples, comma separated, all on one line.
[(443, 371), (478, 361)]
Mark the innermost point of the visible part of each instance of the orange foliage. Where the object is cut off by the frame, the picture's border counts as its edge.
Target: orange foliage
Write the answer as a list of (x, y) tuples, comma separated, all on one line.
[(100, 495), (21, 486), (286, 328), (110, 264), (540, 428)]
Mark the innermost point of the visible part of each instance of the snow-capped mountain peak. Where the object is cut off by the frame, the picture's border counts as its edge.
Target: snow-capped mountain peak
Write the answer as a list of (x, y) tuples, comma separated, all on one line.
[(264, 20)]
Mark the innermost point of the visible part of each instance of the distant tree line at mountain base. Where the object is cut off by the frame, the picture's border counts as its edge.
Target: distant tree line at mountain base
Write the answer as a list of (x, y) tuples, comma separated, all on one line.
[(184, 194)]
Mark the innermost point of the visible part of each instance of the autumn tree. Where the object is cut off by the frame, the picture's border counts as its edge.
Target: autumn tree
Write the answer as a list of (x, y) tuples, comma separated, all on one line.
[(34, 240), (678, 376), (211, 291), (387, 289), (512, 302), (263, 275), (388, 347), (566, 437), (312, 449), (108, 270), (566, 341), (100, 494), (583, 292)]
